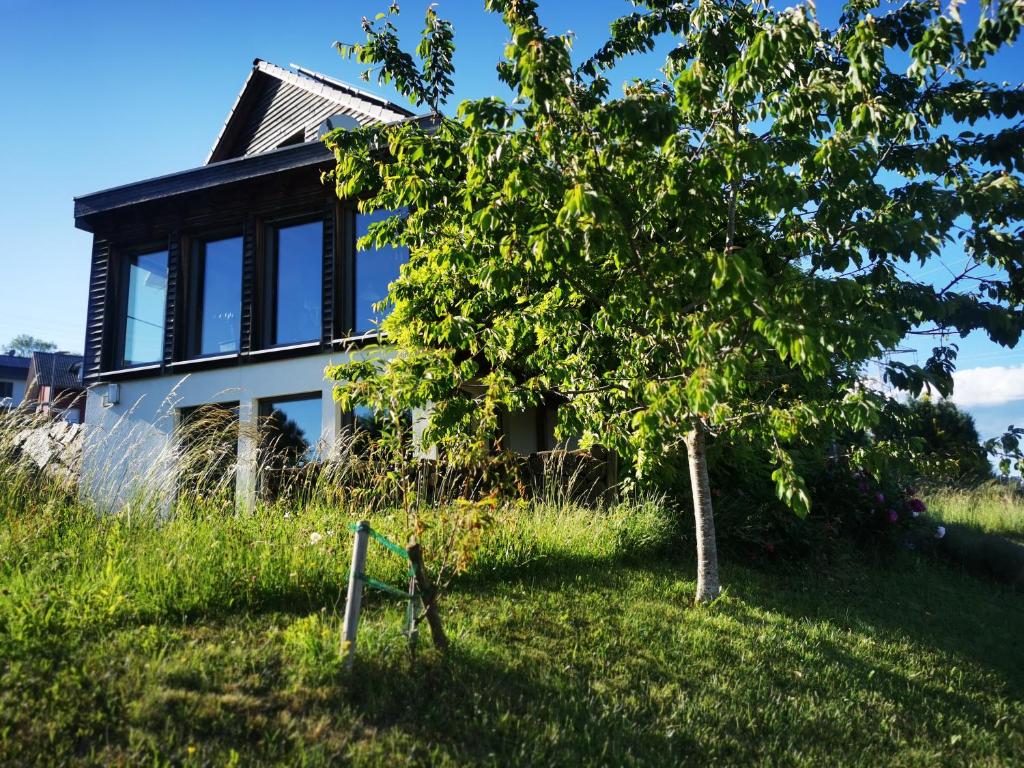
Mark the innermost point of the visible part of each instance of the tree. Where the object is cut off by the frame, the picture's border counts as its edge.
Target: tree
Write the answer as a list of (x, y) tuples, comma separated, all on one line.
[(950, 451), (715, 253), (24, 345)]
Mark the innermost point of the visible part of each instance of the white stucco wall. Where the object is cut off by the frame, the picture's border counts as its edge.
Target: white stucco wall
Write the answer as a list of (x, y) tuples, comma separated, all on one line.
[(19, 389), (128, 448), (128, 445)]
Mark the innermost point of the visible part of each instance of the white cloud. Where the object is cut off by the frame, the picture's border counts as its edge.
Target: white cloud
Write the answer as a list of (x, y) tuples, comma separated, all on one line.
[(995, 385)]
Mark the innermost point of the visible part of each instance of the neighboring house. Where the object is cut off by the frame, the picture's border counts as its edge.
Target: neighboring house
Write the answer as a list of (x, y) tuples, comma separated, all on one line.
[(237, 283), (55, 386), (13, 375)]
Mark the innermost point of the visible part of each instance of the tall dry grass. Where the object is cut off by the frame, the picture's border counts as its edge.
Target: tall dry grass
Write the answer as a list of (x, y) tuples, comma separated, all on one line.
[(992, 508)]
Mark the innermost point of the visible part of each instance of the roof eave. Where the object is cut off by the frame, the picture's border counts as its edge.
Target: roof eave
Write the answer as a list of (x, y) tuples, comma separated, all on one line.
[(195, 179)]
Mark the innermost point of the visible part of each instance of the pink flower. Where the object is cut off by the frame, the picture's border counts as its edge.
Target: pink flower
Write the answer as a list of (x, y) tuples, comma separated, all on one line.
[(917, 506), (894, 516), (880, 497)]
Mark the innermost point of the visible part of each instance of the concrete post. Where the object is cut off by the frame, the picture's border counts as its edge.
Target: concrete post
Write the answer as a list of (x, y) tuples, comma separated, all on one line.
[(248, 449)]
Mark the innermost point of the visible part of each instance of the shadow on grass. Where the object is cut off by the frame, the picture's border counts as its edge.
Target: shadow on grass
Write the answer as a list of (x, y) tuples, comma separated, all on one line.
[(486, 710), (925, 602)]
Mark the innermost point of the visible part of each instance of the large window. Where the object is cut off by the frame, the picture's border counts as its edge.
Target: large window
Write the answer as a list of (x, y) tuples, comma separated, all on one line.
[(293, 291), (142, 326), (208, 450), (375, 270), (217, 286), (290, 430)]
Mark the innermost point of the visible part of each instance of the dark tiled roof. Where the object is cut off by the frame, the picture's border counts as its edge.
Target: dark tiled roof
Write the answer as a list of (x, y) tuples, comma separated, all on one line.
[(55, 369)]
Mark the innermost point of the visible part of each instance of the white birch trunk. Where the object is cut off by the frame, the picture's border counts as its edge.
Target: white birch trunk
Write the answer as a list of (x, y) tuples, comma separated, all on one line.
[(708, 584)]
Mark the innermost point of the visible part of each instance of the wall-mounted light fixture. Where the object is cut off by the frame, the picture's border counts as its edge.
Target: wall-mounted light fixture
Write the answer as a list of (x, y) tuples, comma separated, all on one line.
[(112, 396)]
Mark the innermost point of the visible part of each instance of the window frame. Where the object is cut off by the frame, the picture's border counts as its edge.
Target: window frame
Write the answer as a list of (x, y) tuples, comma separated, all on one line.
[(119, 317), (192, 248), (265, 302)]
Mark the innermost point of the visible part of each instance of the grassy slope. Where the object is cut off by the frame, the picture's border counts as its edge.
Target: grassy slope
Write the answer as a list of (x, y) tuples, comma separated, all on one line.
[(214, 641), (990, 510)]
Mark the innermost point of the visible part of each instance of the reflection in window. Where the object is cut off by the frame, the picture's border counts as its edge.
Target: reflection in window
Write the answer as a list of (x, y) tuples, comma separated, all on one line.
[(145, 305), (289, 443), (219, 262), (375, 269), (373, 424), (297, 268), (366, 427), (291, 430)]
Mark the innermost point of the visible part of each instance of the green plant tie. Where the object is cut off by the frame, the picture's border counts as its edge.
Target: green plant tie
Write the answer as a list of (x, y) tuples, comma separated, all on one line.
[(387, 543), (400, 551), (371, 582)]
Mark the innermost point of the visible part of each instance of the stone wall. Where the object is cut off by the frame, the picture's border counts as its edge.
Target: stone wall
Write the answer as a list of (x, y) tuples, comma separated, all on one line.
[(54, 447)]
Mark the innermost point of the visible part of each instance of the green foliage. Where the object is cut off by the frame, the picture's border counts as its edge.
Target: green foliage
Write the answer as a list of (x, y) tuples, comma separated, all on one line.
[(24, 345), (947, 449), (725, 243)]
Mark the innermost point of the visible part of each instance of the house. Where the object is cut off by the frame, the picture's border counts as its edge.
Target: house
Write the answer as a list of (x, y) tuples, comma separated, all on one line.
[(234, 283), (13, 375), (55, 386)]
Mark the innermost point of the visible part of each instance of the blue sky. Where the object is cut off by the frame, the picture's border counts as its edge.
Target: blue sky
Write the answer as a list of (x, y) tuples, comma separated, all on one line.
[(104, 93)]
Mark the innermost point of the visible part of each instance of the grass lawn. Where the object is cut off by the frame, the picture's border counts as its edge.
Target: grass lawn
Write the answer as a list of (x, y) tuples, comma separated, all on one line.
[(991, 510), (214, 641)]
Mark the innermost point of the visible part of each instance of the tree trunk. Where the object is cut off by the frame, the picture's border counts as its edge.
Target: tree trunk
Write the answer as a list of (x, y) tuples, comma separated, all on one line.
[(708, 585)]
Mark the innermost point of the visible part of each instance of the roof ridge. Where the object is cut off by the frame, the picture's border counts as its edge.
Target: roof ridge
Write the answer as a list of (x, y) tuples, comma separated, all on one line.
[(374, 108)]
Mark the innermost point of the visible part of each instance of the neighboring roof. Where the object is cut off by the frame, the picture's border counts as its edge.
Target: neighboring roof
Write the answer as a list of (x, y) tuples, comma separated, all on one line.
[(277, 105), (58, 370), (14, 367)]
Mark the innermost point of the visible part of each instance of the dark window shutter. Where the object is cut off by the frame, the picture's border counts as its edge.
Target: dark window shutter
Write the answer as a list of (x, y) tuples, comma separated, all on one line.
[(170, 316), (327, 314), (96, 313), (249, 237)]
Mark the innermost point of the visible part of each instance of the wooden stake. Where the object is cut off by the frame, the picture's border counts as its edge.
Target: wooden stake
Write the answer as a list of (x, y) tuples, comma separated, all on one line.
[(355, 591), (429, 596)]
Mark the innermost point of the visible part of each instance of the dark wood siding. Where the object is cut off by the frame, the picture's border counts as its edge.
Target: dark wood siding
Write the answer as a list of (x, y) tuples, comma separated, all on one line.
[(171, 308), (327, 311), (281, 111), (249, 245), (96, 312), (173, 224)]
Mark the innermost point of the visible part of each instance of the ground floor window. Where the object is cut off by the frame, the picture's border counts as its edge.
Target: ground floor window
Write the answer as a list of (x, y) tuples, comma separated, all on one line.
[(208, 451), (290, 429)]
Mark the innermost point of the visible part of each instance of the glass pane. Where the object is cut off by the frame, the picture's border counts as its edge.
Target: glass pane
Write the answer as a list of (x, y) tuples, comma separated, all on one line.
[(144, 312), (375, 270), (291, 432), (208, 440), (299, 270), (221, 303)]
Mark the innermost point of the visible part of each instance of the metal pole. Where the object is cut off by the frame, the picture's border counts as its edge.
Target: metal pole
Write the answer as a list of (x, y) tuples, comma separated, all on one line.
[(355, 592)]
